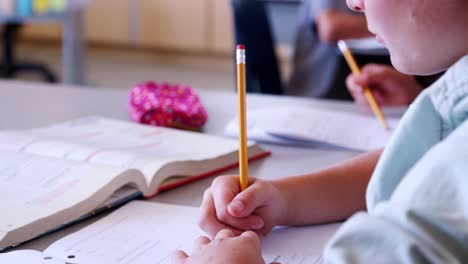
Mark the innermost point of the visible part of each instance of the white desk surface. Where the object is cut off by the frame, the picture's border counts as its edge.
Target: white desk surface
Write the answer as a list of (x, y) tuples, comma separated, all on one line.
[(26, 105)]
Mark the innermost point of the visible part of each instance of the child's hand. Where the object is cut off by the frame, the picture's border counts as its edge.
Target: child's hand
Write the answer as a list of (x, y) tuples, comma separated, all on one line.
[(225, 248), (259, 208), (390, 87)]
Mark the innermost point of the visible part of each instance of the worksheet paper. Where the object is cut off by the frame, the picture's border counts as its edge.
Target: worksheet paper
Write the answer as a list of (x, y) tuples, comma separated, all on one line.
[(28, 257), (145, 232), (315, 127)]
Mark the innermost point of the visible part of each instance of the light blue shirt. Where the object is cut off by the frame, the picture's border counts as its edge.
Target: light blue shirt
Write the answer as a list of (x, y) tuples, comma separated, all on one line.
[(417, 198)]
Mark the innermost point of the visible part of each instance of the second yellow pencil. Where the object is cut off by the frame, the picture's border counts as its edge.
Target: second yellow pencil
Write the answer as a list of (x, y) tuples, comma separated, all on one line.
[(367, 92)]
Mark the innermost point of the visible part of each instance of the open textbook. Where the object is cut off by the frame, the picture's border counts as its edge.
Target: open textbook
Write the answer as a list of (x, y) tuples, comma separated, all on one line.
[(145, 232), (54, 175), (313, 127)]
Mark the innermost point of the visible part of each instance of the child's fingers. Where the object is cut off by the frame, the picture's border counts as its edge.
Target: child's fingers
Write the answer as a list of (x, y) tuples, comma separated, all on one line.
[(179, 257), (252, 235), (249, 222), (256, 195), (379, 98), (373, 76), (373, 73), (223, 191), (362, 102), (252, 238), (352, 86), (208, 221), (356, 92), (200, 242), (223, 234)]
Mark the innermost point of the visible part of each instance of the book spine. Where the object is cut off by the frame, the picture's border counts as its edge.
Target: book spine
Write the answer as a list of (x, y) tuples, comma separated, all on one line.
[(82, 218), (171, 186)]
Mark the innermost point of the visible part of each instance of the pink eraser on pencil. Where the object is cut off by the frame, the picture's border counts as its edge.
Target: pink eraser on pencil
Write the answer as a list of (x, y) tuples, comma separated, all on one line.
[(240, 46)]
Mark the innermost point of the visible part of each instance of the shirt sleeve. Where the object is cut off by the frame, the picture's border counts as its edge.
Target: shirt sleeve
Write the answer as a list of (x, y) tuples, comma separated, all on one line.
[(424, 221), (318, 6)]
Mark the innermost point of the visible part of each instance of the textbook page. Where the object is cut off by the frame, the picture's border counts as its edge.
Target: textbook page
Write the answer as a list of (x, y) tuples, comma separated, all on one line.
[(27, 257), (313, 127), (145, 232), (117, 143), (36, 187)]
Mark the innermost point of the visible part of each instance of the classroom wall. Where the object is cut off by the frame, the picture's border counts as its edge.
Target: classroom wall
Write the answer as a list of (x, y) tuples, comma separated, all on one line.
[(200, 26)]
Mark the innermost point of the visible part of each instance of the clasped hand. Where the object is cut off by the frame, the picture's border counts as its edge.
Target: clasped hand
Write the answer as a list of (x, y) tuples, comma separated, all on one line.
[(236, 220)]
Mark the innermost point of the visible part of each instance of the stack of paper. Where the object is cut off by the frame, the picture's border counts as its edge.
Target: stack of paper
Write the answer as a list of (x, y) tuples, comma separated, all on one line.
[(313, 127)]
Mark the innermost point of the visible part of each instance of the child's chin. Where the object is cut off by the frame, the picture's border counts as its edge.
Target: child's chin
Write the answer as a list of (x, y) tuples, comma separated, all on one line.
[(400, 64), (407, 66), (414, 64)]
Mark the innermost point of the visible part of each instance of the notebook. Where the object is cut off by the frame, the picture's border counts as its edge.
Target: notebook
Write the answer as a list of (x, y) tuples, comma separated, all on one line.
[(145, 232), (61, 173), (314, 127)]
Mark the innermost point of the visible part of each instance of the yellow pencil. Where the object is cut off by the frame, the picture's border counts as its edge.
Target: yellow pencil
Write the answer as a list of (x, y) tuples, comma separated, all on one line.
[(240, 61), (367, 92)]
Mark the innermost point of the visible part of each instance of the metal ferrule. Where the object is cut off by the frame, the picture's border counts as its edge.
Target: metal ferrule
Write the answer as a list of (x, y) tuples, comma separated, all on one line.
[(240, 56)]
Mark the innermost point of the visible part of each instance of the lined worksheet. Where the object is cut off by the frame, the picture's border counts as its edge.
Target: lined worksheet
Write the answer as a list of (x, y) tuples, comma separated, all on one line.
[(145, 232), (28, 257), (140, 232)]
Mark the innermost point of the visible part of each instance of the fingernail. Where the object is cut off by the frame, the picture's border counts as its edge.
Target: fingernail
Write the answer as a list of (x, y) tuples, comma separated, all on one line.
[(237, 206), (257, 224)]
